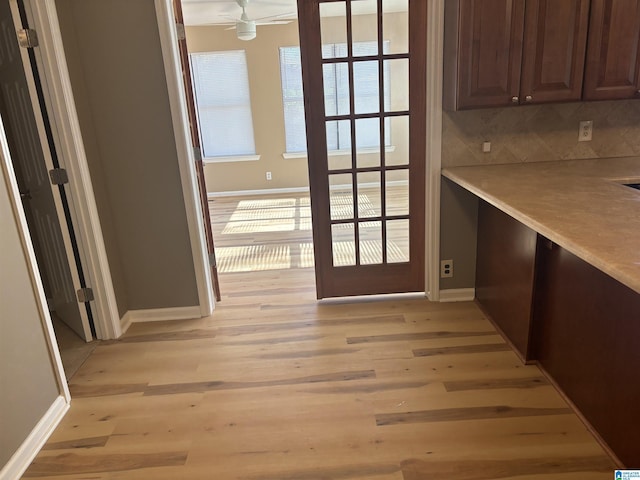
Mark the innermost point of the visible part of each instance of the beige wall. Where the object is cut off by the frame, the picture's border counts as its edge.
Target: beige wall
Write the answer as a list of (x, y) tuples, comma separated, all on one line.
[(28, 385), (263, 63), (118, 81), (522, 134)]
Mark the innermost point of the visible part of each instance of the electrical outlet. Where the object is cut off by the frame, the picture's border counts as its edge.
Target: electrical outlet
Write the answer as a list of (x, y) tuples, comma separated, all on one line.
[(585, 132), (446, 269), (268, 175)]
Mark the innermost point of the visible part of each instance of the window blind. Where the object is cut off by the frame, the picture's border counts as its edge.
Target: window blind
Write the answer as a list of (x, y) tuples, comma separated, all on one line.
[(223, 103)]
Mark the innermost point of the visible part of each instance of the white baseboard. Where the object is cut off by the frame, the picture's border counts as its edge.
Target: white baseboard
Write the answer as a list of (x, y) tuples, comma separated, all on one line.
[(23, 457), (160, 315), (264, 191), (458, 295), (125, 323)]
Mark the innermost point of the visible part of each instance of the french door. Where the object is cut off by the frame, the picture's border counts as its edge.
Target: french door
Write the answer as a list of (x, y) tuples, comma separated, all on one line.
[(195, 140), (364, 77)]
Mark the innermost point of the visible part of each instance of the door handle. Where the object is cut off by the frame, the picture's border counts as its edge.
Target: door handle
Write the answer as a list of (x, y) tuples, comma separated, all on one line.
[(26, 195)]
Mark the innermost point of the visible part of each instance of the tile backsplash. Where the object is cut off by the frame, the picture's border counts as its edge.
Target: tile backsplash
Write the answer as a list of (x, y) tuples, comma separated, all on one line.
[(540, 133)]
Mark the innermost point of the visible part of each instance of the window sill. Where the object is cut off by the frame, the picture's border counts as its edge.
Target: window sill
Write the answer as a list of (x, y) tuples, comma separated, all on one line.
[(231, 159), (335, 153)]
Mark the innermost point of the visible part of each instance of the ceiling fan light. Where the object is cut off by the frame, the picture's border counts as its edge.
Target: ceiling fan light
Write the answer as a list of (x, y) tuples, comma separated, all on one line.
[(246, 30)]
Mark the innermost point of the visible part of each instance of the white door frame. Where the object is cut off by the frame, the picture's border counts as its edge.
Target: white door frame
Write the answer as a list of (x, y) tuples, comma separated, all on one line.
[(186, 157), (60, 103), (435, 69), (435, 52), (48, 159)]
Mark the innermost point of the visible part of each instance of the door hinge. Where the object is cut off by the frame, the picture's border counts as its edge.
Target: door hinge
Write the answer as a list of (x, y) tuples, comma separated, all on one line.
[(58, 176), (180, 31), (197, 154), (27, 38), (212, 260), (85, 295)]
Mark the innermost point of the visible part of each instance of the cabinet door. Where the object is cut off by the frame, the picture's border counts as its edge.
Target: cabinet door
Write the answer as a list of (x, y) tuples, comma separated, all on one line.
[(490, 52), (555, 40), (613, 52), (505, 274)]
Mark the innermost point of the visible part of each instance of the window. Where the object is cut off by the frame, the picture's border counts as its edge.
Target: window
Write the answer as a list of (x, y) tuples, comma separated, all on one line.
[(336, 97), (223, 103)]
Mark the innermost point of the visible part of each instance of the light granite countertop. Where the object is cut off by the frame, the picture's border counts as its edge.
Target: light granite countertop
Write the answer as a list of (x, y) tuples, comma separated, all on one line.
[(580, 205)]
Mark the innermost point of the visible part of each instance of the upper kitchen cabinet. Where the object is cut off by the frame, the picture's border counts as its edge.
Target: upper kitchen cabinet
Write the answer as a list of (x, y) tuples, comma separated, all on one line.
[(511, 52), (613, 55)]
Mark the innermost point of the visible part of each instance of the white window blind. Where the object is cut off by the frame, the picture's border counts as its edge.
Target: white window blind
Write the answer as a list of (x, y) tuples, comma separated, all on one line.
[(223, 103), (336, 97)]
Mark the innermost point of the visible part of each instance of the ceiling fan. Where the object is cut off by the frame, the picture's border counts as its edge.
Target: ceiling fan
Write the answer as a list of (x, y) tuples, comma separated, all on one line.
[(246, 27)]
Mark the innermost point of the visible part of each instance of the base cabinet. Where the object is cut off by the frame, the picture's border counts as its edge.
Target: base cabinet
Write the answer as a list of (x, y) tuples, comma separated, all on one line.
[(505, 274), (576, 322), (587, 337)]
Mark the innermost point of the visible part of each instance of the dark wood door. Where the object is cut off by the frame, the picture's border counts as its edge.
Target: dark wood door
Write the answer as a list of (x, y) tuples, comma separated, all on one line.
[(613, 52), (33, 155), (490, 35), (555, 40), (364, 83), (195, 140)]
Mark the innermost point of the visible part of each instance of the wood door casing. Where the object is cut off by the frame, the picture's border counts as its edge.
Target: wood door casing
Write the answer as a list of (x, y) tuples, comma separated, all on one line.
[(613, 54), (195, 141), (554, 47), (360, 279)]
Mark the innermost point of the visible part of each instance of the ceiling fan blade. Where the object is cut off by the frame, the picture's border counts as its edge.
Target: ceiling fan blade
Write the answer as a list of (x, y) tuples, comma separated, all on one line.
[(230, 18), (233, 27), (274, 17), (275, 22)]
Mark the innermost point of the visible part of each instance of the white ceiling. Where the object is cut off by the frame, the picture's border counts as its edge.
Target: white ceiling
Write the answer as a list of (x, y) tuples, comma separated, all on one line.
[(207, 12)]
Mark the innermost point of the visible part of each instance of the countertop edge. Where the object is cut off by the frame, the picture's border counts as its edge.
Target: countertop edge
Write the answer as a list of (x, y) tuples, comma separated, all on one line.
[(564, 242)]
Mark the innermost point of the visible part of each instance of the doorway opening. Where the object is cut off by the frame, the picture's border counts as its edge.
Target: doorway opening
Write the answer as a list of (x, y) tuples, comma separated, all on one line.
[(261, 217), (41, 182)]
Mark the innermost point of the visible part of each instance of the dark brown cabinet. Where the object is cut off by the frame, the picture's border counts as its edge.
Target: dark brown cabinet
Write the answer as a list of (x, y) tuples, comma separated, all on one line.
[(505, 269), (586, 331), (613, 57), (511, 52), (579, 324)]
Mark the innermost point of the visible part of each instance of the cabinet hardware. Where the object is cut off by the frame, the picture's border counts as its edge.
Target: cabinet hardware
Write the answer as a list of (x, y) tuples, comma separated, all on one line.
[(528, 98), (515, 99)]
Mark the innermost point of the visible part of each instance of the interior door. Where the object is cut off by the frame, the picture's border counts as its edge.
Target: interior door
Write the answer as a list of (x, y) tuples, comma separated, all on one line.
[(364, 78), (195, 140), (45, 205)]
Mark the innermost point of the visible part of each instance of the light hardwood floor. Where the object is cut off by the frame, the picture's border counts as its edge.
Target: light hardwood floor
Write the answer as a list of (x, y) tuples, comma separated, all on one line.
[(278, 386)]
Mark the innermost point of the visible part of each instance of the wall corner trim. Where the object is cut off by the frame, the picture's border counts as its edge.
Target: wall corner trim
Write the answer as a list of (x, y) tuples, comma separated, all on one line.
[(160, 315), (186, 160), (458, 295), (23, 457), (435, 67)]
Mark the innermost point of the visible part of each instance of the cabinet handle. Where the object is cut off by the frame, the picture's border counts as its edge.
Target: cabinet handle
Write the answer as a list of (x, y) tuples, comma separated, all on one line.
[(515, 99), (528, 98)]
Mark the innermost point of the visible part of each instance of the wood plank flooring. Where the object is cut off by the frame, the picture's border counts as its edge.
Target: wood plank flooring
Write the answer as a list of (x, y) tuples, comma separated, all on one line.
[(278, 386)]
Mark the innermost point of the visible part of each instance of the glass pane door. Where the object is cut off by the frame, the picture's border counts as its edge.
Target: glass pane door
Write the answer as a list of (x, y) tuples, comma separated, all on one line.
[(364, 85)]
